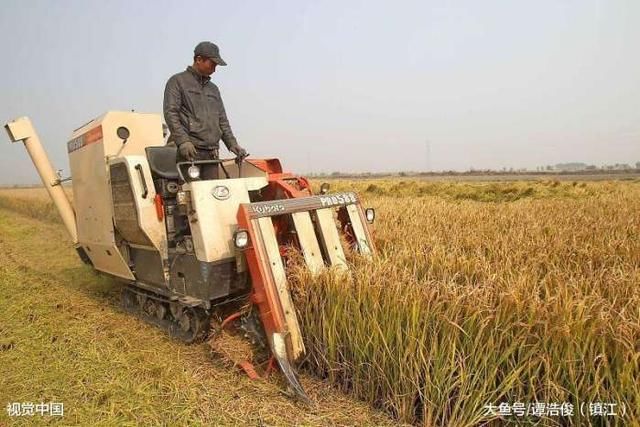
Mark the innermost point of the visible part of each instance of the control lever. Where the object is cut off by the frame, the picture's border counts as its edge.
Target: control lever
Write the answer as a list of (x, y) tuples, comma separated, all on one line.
[(239, 161)]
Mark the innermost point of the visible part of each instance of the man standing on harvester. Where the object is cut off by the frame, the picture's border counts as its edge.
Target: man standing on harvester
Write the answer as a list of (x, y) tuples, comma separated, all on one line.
[(194, 111)]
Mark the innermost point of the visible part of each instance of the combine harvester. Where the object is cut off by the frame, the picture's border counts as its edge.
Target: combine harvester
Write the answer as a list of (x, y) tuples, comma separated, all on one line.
[(189, 251)]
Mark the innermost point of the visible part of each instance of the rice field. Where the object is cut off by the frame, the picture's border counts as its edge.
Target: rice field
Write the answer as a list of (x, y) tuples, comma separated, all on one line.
[(485, 298), (485, 294)]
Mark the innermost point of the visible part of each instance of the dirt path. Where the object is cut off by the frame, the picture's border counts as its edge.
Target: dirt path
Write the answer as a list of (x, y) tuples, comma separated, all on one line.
[(63, 338)]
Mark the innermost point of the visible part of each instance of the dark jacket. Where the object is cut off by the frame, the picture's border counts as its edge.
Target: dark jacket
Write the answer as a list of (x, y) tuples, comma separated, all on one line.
[(194, 111)]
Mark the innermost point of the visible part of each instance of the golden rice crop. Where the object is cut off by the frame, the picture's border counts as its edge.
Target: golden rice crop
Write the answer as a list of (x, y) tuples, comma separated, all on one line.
[(470, 303)]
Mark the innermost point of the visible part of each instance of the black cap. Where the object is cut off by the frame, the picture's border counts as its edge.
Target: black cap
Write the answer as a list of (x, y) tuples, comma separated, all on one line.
[(209, 50)]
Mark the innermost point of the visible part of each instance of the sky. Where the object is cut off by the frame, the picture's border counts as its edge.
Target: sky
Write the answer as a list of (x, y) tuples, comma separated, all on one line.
[(355, 86)]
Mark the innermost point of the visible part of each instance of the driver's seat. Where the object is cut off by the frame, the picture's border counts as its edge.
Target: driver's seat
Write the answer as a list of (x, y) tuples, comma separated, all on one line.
[(162, 161)]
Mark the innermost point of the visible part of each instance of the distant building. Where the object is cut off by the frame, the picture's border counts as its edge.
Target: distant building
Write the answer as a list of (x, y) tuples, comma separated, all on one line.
[(621, 166), (570, 167)]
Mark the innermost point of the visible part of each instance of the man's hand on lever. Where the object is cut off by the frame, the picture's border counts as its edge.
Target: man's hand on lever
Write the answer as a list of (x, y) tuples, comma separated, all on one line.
[(240, 152)]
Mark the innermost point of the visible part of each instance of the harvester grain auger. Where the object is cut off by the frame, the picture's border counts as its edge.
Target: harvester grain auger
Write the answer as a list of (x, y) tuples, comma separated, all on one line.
[(188, 249)]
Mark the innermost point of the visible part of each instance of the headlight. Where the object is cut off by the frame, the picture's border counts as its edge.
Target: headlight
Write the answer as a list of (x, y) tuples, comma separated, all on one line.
[(370, 214), (324, 188), (193, 172), (241, 239)]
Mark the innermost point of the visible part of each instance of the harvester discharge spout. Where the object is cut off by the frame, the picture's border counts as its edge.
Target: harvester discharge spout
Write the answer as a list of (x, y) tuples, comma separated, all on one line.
[(21, 129)]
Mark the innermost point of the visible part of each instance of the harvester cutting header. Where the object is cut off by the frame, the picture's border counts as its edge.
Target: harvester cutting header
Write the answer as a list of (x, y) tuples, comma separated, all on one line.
[(189, 249)]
